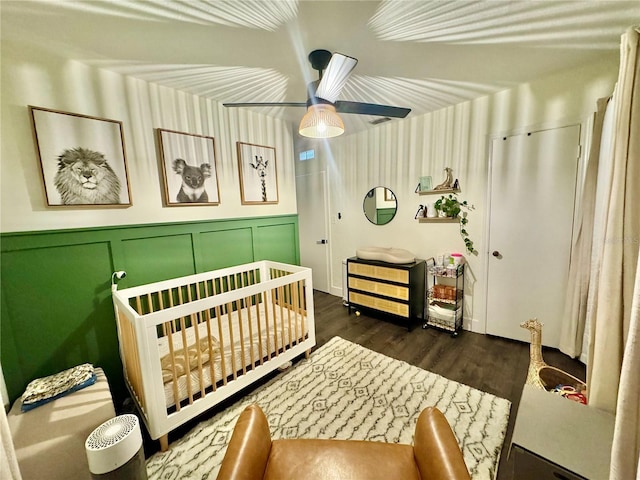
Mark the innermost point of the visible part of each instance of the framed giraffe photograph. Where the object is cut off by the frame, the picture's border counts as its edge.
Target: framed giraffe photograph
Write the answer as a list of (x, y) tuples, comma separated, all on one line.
[(189, 171), (258, 174)]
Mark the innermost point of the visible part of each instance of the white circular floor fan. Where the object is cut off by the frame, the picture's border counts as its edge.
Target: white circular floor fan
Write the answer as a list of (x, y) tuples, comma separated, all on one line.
[(114, 450)]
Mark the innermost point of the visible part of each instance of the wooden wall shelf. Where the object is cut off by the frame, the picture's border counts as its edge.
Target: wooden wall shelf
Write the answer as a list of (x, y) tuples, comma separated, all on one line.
[(438, 220), (432, 192)]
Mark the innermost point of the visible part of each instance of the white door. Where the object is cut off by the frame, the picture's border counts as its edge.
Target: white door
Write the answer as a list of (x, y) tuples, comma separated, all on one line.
[(533, 180), (311, 194)]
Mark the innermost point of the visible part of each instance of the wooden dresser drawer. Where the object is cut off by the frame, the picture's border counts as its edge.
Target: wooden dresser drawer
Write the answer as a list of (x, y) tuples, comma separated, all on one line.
[(386, 289), (557, 439), (528, 466), (389, 306), (382, 273)]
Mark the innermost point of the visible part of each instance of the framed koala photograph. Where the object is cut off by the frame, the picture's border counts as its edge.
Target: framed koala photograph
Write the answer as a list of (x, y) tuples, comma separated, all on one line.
[(189, 169), (258, 177), (82, 159)]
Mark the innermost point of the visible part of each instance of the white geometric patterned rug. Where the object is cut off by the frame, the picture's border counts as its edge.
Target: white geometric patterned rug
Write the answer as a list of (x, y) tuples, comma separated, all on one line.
[(345, 391)]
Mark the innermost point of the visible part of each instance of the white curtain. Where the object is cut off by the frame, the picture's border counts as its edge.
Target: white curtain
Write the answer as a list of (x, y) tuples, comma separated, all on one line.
[(615, 281), (580, 271), (613, 303), (603, 193), (626, 440), (8, 462), (625, 453)]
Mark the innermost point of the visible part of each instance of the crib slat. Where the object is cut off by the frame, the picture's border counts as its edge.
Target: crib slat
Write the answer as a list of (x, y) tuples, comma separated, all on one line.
[(173, 329), (232, 340), (149, 303), (275, 324), (302, 309), (221, 340), (228, 286), (259, 326), (247, 302), (183, 329), (238, 304), (212, 371), (281, 298), (289, 305), (172, 356), (246, 305), (296, 313), (167, 331), (195, 324), (238, 283)]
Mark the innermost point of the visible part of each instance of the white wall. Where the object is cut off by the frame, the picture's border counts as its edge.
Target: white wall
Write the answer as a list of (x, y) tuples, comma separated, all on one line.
[(33, 77), (394, 155), (397, 153)]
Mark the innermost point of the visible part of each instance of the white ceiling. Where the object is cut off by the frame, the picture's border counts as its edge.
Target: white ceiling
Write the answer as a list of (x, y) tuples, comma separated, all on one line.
[(423, 54)]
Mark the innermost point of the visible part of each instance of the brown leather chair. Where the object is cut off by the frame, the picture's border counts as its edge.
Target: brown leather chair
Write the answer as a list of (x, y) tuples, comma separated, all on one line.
[(252, 455)]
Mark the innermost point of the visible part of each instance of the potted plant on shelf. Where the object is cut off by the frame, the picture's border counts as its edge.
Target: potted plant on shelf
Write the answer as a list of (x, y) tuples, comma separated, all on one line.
[(451, 207)]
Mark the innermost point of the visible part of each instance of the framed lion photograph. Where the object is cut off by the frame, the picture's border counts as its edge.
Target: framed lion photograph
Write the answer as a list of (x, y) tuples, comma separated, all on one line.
[(189, 171), (82, 159)]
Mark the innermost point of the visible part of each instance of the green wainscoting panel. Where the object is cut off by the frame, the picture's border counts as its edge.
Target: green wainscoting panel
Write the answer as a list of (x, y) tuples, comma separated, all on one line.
[(384, 215), (150, 259), (56, 285), (273, 244), (9, 352), (53, 298), (226, 248)]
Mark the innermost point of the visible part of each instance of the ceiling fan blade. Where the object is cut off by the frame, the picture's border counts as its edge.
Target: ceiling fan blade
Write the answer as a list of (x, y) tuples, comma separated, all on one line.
[(265, 104), (371, 109), (335, 76)]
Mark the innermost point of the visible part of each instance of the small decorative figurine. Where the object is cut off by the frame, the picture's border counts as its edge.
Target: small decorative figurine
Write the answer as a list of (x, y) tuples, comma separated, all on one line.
[(446, 185), (546, 377)]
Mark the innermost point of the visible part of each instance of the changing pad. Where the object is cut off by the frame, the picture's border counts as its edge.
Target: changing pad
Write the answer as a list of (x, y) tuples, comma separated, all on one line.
[(389, 255)]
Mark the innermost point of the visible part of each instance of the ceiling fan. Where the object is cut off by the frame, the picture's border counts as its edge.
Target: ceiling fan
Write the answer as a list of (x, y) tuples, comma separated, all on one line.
[(322, 119)]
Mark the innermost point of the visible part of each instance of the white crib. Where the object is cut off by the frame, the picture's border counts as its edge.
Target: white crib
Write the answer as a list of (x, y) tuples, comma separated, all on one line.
[(188, 343)]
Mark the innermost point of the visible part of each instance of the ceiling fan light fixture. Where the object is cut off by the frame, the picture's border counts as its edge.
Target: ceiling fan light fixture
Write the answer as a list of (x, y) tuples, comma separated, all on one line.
[(321, 121)]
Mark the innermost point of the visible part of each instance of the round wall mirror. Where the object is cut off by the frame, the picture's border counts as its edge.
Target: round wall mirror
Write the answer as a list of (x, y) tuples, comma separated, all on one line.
[(380, 205)]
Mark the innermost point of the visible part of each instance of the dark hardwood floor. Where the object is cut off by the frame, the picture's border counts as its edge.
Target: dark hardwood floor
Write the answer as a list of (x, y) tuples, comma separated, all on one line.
[(491, 364)]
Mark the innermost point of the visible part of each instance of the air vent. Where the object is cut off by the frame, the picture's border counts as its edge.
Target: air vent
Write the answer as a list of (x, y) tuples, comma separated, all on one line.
[(378, 121)]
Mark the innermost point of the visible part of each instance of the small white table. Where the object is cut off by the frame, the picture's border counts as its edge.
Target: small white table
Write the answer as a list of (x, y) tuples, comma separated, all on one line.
[(557, 438)]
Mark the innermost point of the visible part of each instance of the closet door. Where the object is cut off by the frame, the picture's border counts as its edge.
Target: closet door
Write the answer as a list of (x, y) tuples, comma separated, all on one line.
[(533, 182), (313, 227)]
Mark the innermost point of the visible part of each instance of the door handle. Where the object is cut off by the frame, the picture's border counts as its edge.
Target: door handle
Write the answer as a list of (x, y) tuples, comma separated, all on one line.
[(496, 253), (322, 242)]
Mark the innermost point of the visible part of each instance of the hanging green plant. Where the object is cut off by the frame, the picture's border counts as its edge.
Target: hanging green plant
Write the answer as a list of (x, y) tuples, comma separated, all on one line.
[(452, 207)]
